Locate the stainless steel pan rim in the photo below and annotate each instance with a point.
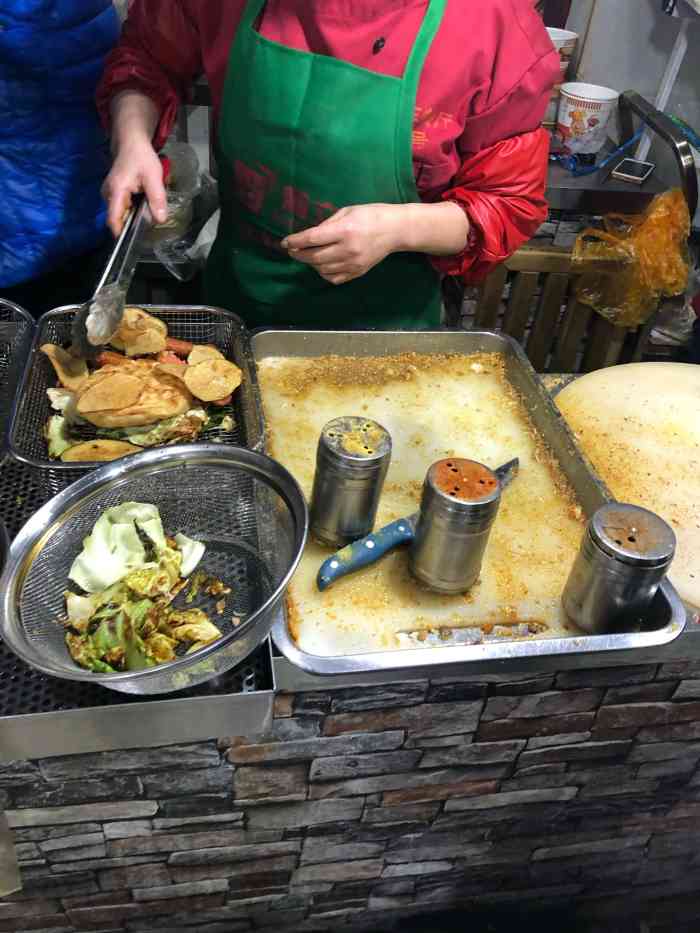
(409, 659)
(44, 523)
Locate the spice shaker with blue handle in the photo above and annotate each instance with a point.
(447, 538)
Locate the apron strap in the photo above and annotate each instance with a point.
(409, 90)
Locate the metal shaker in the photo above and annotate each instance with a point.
(625, 553)
(458, 507)
(351, 463)
(446, 539)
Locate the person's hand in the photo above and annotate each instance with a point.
(351, 242)
(135, 168)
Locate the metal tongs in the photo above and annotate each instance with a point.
(98, 320)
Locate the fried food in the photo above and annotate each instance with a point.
(161, 396)
(139, 333)
(110, 392)
(204, 352)
(145, 391)
(179, 347)
(72, 372)
(177, 370)
(98, 450)
(212, 379)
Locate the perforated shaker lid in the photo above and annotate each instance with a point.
(356, 442)
(466, 483)
(633, 535)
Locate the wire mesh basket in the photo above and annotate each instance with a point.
(197, 323)
(16, 332)
(246, 509)
(4, 545)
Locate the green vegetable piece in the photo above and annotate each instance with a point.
(57, 436)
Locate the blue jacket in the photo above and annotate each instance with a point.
(53, 152)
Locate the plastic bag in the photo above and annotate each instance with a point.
(201, 248)
(182, 188)
(674, 323)
(626, 268)
(185, 256)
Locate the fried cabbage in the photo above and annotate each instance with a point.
(130, 573)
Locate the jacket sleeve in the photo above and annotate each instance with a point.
(502, 179)
(501, 189)
(159, 54)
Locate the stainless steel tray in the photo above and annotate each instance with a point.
(199, 323)
(667, 618)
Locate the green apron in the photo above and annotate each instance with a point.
(300, 136)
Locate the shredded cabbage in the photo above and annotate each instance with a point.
(57, 436)
(192, 552)
(115, 548)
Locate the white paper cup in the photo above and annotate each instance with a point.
(564, 42)
(584, 114)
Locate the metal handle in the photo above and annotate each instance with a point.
(122, 255)
(507, 472)
(632, 102)
(366, 551)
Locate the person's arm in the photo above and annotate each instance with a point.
(136, 166)
(502, 191)
(502, 180)
(145, 78)
(355, 239)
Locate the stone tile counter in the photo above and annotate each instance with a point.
(362, 806)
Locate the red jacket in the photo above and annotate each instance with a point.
(481, 98)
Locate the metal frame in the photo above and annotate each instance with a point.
(145, 724)
(35, 359)
(15, 365)
(633, 103)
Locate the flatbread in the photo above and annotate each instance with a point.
(162, 396)
(140, 333)
(204, 352)
(639, 425)
(177, 370)
(111, 392)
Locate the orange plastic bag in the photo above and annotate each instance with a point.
(625, 268)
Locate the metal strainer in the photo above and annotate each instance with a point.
(247, 510)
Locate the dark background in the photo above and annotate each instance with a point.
(554, 12)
